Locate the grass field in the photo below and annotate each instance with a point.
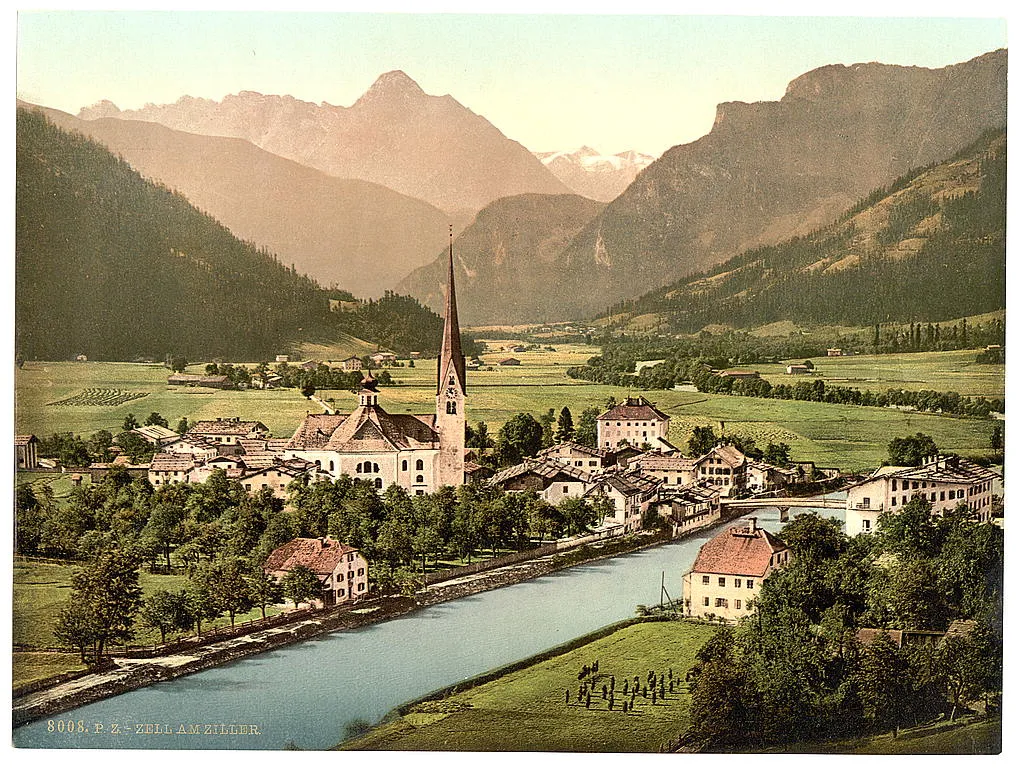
(853, 438)
(42, 588)
(982, 738)
(935, 370)
(30, 667)
(526, 710)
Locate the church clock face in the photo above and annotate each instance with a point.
(451, 393)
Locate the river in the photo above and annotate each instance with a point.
(306, 694)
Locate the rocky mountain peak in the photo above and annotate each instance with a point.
(392, 85)
(102, 109)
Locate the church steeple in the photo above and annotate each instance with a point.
(450, 417)
(451, 358)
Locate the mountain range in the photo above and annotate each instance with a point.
(589, 173)
(428, 147)
(765, 173)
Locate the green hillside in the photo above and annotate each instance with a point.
(930, 247)
(115, 267)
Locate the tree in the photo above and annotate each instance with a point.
(167, 612)
(910, 531)
(202, 598)
(230, 588)
(701, 440)
(997, 437)
(547, 437)
(971, 665)
(107, 591)
(777, 454)
(156, 419)
(565, 430)
(911, 450)
(576, 513)
(301, 584)
(719, 702)
(884, 684)
(182, 427)
(77, 627)
(520, 437)
(308, 389)
(178, 363)
(129, 422)
(586, 427)
(263, 590)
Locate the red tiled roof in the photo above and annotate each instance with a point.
(315, 431)
(320, 556)
(738, 552)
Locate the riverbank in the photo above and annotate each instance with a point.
(132, 673)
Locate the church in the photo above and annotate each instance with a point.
(418, 452)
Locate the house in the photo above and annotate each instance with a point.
(167, 468)
(725, 467)
(418, 452)
(578, 455)
(739, 374)
(352, 364)
(552, 479)
(26, 451)
(310, 366)
(834, 352)
(630, 492)
(915, 637)
(197, 448)
(727, 575)
(383, 358)
(282, 358)
(81, 357)
(342, 570)
(227, 430)
(156, 435)
(690, 507)
(797, 369)
(275, 476)
(944, 481)
(636, 422)
(763, 477)
(510, 362)
(674, 470)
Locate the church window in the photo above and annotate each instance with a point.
(419, 479)
(332, 466)
(452, 408)
(405, 465)
(419, 465)
(378, 483)
(451, 380)
(376, 468)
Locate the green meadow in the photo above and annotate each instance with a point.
(850, 437)
(526, 710)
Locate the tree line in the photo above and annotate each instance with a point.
(794, 670)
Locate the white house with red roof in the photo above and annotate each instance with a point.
(342, 569)
(727, 574)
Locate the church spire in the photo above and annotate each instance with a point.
(451, 358)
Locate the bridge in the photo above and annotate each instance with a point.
(782, 504)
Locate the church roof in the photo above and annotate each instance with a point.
(372, 429)
(314, 432)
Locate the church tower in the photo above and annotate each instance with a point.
(451, 390)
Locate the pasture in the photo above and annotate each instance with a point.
(527, 710)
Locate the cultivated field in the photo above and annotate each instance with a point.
(527, 710)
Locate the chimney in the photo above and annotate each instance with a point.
(753, 524)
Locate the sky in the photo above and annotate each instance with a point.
(551, 82)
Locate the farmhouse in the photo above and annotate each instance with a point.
(156, 435)
(418, 452)
(167, 468)
(383, 358)
(739, 374)
(578, 455)
(797, 369)
(834, 352)
(352, 364)
(227, 430)
(26, 451)
(727, 574)
(510, 362)
(342, 570)
(636, 422)
(944, 481)
(550, 478)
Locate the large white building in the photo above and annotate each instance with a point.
(945, 483)
(636, 422)
(418, 452)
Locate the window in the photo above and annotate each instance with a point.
(866, 526)
(362, 587)
(959, 493)
(894, 500)
(739, 605)
(738, 583)
(706, 579)
(451, 380)
(419, 465)
(894, 485)
(866, 502)
(405, 465)
(750, 583)
(341, 592)
(721, 581)
(378, 483)
(707, 601)
(419, 492)
(350, 556)
(906, 485)
(452, 408)
(721, 602)
(332, 466)
(419, 479)
(942, 495)
(340, 576)
(359, 572)
(565, 488)
(351, 574)
(359, 468)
